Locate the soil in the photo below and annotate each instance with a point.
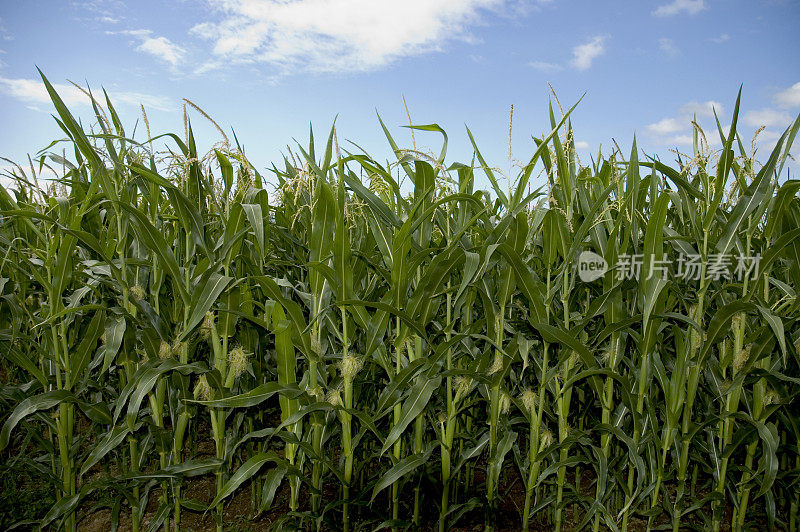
(239, 514)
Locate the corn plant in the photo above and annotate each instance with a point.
(395, 347)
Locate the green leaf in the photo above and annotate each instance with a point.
(108, 442)
(244, 473)
(256, 396)
(401, 469)
(153, 239)
(31, 405)
(203, 299)
(83, 353)
(418, 399)
(272, 480)
(256, 219)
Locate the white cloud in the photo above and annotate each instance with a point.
(347, 35)
(8, 171)
(666, 126)
(677, 130)
(769, 136)
(103, 11)
(6, 180)
(766, 141)
(701, 108)
(582, 145)
(584, 54)
(33, 91)
(767, 117)
(789, 97)
(160, 103)
(159, 47)
(207, 66)
(680, 140)
(668, 46)
(162, 48)
(721, 39)
(544, 66)
(692, 7)
(4, 34)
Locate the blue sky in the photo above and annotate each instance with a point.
(268, 68)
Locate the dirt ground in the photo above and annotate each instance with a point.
(239, 514)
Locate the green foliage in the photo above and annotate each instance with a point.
(392, 347)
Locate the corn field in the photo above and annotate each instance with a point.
(380, 345)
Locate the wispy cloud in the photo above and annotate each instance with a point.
(723, 37)
(33, 91)
(691, 7)
(677, 130)
(701, 109)
(103, 11)
(157, 46)
(667, 126)
(161, 103)
(5, 35)
(789, 97)
(767, 117)
(348, 35)
(10, 172)
(668, 46)
(208, 66)
(772, 120)
(584, 54)
(544, 66)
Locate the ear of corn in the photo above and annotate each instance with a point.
(398, 347)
